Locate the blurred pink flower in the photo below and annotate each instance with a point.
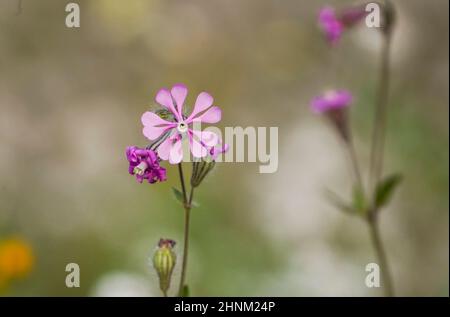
(331, 100)
(333, 104)
(333, 24)
(330, 24)
(199, 141)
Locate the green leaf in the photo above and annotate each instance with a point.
(178, 195)
(339, 203)
(185, 291)
(359, 201)
(385, 189)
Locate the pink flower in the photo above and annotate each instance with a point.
(333, 24)
(173, 132)
(330, 24)
(145, 165)
(218, 149)
(331, 100)
(333, 104)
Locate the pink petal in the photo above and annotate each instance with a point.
(153, 133)
(176, 153)
(216, 151)
(153, 120)
(164, 149)
(164, 98)
(179, 93)
(206, 137)
(197, 149)
(203, 102)
(212, 115)
(154, 126)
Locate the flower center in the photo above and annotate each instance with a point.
(182, 127)
(140, 169)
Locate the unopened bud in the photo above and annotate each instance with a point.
(164, 261)
(200, 170)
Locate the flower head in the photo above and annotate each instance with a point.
(174, 130)
(353, 15)
(16, 258)
(331, 100)
(144, 164)
(334, 103)
(330, 24)
(333, 24)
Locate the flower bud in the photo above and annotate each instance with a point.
(200, 170)
(164, 261)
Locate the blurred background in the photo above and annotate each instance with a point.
(71, 101)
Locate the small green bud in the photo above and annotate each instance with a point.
(164, 261)
(200, 170)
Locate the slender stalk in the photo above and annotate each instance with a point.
(183, 186)
(187, 212)
(382, 259)
(377, 155)
(19, 7)
(379, 128)
(355, 165)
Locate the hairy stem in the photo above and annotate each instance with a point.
(187, 212)
(381, 255)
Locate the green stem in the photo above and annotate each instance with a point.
(376, 158)
(381, 255)
(187, 212)
(183, 186)
(355, 165)
(379, 130)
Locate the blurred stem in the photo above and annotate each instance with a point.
(187, 212)
(19, 7)
(379, 128)
(381, 254)
(376, 159)
(355, 165)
